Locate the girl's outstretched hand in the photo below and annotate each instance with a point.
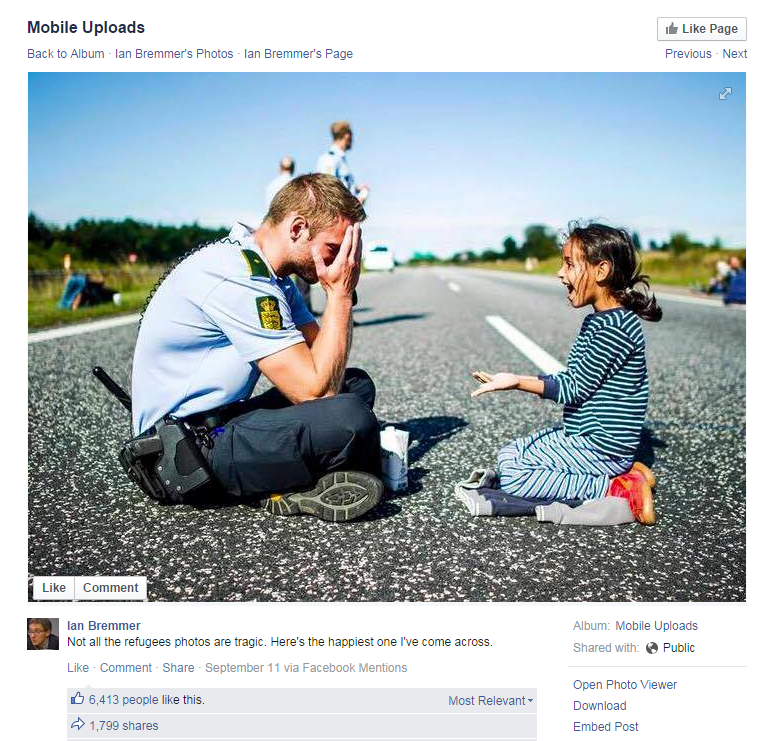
(496, 382)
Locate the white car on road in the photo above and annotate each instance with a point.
(378, 257)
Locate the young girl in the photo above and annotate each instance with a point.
(604, 391)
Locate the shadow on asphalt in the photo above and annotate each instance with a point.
(425, 433)
(389, 319)
(648, 443)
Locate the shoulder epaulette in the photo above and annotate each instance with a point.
(257, 267)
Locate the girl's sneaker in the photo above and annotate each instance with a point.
(634, 487)
(646, 472)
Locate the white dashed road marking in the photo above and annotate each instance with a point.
(454, 287)
(528, 348)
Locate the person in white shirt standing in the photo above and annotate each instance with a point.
(286, 173)
(334, 162)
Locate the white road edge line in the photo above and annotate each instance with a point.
(528, 348)
(454, 287)
(54, 334)
(707, 303)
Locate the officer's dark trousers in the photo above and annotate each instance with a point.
(275, 446)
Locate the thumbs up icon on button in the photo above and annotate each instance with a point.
(77, 699)
(672, 28)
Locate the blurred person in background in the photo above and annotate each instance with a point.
(736, 290)
(82, 290)
(334, 161)
(286, 173)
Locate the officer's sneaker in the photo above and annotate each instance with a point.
(337, 497)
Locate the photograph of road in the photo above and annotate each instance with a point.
(420, 332)
(451, 289)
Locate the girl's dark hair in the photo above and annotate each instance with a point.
(625, 281)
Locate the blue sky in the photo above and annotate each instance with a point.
(455, 161)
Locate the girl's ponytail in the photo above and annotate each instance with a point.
(641, 302)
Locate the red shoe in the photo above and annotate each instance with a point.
(646, 472)
(633, 487)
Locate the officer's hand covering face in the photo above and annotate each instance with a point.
(327, 242)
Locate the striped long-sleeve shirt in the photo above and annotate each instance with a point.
(605, 386)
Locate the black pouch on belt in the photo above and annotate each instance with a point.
(166, 462)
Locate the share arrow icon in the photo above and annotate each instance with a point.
(78, 724)
(727, 91)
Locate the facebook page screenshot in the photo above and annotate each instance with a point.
(386, 371)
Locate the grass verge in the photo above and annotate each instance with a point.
(44, 312)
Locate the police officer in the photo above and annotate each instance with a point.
(224, 316)
(286, 173)
(334, 161)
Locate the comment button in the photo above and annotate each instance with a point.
(111, 587)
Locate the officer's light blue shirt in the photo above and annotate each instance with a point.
(216, 314)
(334, 162)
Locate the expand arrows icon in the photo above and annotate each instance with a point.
(727, 91)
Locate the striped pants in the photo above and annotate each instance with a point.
(554, 465)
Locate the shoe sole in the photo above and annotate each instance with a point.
(645, 514)
(646, 472)
(337, 497)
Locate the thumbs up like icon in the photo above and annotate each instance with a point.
(672, 28)
(77, 699)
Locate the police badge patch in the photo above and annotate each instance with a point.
(268, 312)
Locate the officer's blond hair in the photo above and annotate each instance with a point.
(340, 128)
(319, 199)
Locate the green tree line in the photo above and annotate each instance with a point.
(110, 242)
(542, 243)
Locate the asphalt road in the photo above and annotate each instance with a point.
(418, 337)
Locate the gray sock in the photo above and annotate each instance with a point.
(605, 511)
(475, 504)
